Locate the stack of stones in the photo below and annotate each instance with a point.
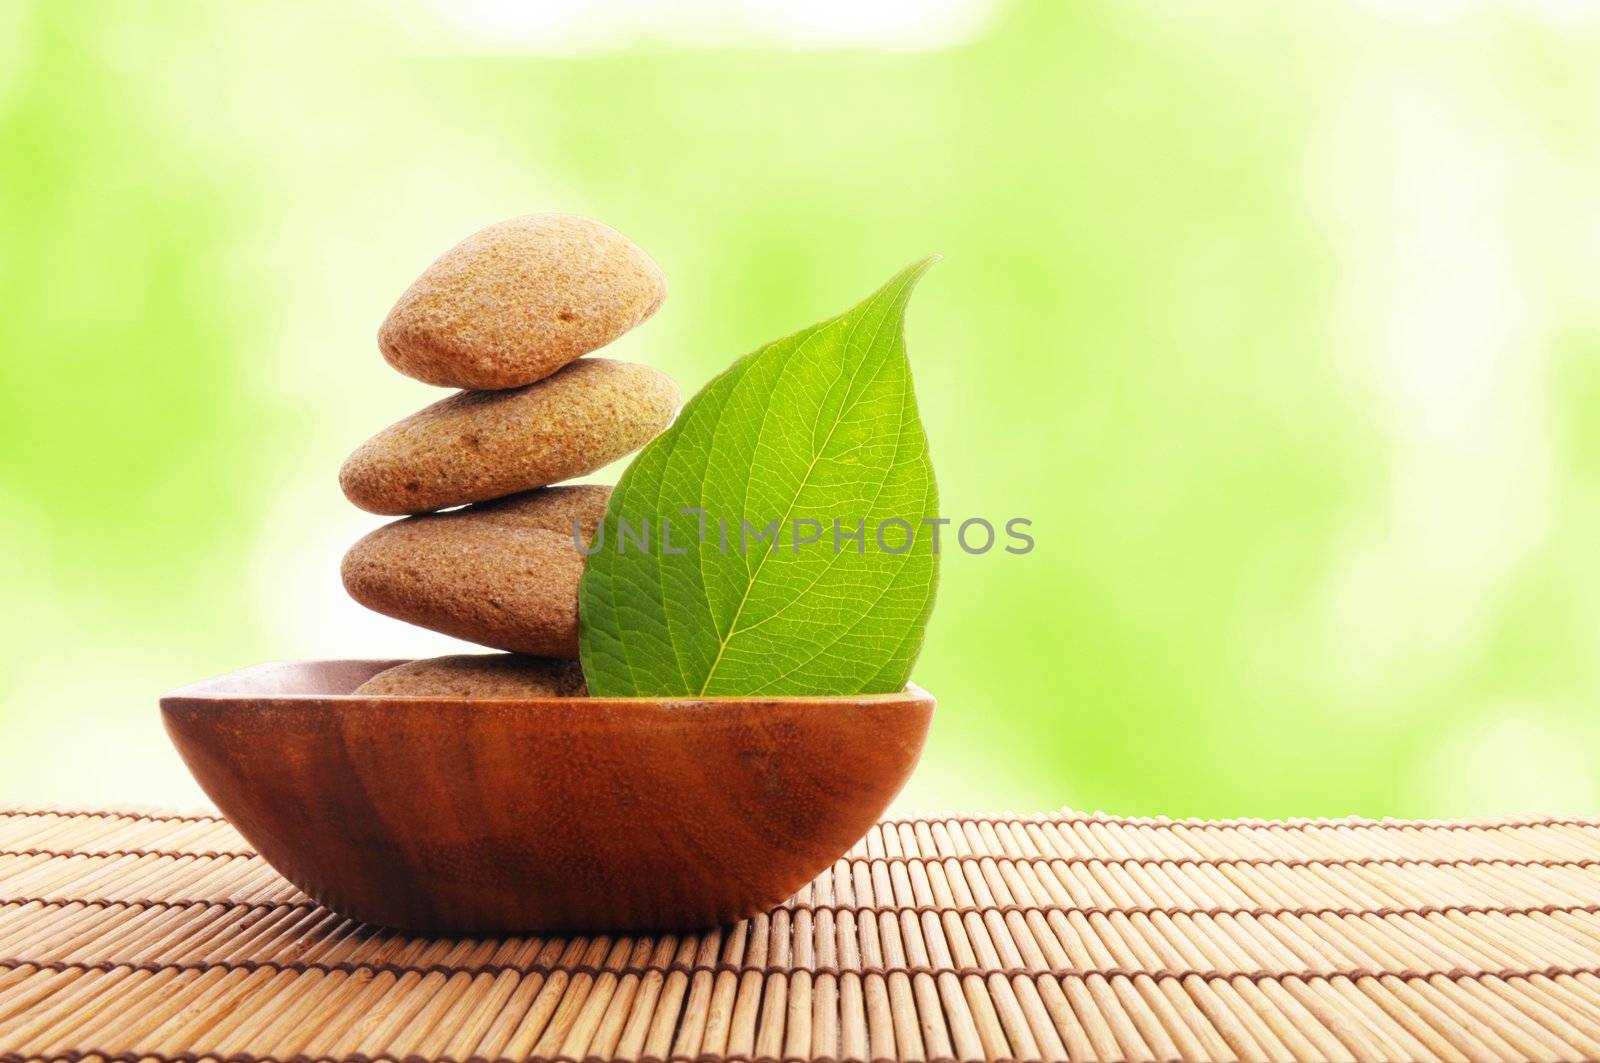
(508, 316)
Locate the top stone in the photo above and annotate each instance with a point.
(513, 303)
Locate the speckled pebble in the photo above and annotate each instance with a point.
(478, 445)
(513, 303)
(503, 575)
(480, 675)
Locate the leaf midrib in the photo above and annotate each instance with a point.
(724, 641)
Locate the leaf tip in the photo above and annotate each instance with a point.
(902, 283)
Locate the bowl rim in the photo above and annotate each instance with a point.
(213, 691)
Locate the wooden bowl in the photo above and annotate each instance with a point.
(486, 815)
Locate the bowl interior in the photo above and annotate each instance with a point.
(336, 680)
(291, 678)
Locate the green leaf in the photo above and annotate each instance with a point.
(821, 426)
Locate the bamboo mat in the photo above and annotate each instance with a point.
(140, 935)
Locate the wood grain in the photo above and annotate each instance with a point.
(457, 816)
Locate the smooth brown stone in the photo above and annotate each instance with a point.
(503, 574)
(480, 675)
(513, 303)
(478, 445)
(548, 508)
(462, 816)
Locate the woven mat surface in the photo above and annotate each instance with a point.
(1058, 937)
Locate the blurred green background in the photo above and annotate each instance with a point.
(1281, 322)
